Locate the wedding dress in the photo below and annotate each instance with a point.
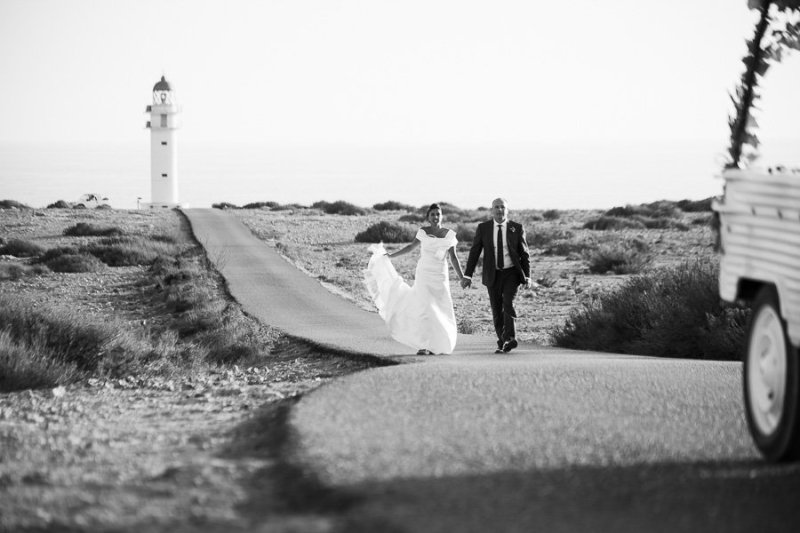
(420, 316)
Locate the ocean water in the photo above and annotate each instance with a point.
(537, 176)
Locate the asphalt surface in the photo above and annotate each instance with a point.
(540, 439)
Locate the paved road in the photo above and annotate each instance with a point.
(540, 439)
(271, 289)
(543, 409)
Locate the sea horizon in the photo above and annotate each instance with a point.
(544, 175)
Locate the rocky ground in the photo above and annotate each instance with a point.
(201, 451)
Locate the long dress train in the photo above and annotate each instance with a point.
(420, 316)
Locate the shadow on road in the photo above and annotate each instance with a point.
(725, 497)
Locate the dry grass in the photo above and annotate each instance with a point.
(119, 449)
(151, 308)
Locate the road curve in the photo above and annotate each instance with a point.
(539, 439)
(535, 409)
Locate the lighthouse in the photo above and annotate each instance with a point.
(163, 127)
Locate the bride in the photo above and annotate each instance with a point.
(420, 316)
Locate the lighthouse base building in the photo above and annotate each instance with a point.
(163, 125)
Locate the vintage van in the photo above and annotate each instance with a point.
(759, 217)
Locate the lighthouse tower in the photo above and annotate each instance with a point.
(163, 126)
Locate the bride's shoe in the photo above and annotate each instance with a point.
(424, 352)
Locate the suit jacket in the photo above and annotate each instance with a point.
(484, 242)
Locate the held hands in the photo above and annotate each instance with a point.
(530, 284)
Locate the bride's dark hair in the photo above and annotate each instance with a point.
(432, 207)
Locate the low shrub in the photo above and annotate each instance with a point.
(75, 263)
(165, 238)
(571, 248)
(131, 250)
(21, 248)
(543, 237)
(620, 258)
(385, 231)
(12, 271)
(339, 207)
(551, 214)
(640, 245)
(224, 205)
(606, 222)
(696, 206)
(675, 312)
(413, 218)
(703, 220)
(261, 205)
(12, 204)
(238, 340)
(60, 204)
(55, 253)
(195, 313)
(70, 338)
(289, 207)
(660, 223)
(465, 233)
(31, 366)
(84, 229)
(15, 271)
(181, 290)
(117, 255)
(392, 206)
(662, 208)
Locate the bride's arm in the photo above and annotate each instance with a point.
(404, 250)
(455, 262)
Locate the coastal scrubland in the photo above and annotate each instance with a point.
(645, 276)
(135, 394)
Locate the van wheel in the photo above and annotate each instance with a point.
(771, 381)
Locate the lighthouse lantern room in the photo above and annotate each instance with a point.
(163, 127)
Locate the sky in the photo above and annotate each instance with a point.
(381, 71)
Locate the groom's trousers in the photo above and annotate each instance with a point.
(501, 297)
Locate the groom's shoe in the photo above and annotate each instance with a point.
(509, 345)
(499, 347)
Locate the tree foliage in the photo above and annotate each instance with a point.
(776, 33)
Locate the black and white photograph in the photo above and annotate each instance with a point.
(384, 266)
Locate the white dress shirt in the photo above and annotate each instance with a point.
(506, 256)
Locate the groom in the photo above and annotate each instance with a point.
(505, 268)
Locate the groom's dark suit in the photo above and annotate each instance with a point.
(501, 283)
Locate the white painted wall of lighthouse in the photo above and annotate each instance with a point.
(164, 156)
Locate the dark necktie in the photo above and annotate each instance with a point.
(500, 247)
